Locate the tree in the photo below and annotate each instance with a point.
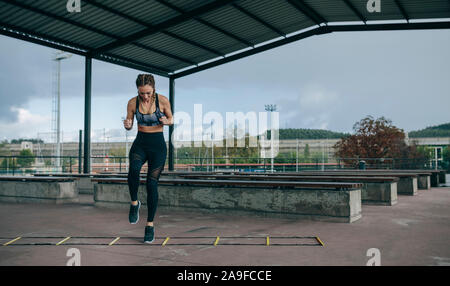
(306, 151)
(26, 158)
(446, 158)
(376, 138)
(117, 152)
(32, 140)
(8, 163)
(446, 154)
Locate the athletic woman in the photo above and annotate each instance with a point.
(152, 111)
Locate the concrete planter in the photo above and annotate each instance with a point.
(379, 193)
(407, 186)
(53, 192)
(322, 204)
(424, 182)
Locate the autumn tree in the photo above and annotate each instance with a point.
(26, 158)
(376, 138)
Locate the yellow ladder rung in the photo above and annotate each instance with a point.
(320, 241)
(114, 241)
(165, 241)
(12, 241)
(64, 240)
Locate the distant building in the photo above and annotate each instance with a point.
(436, 143)
(26, 145)
(289, 145)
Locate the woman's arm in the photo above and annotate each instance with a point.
(168, 119)
(128, 122)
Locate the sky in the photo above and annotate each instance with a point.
(323, 82)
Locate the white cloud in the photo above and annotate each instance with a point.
(312, 107)
(314, 96)
(24, 116)
(28, 124)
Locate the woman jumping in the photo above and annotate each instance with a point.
(152, 111)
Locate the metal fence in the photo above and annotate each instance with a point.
(19, 165)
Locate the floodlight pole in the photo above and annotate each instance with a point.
(59, 56)
(87, 116)
(172, 105)
(271, 108)
(296, 161)
(212, 148)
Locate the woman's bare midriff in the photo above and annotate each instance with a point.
(150, 129)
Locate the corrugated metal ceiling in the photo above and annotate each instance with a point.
(166, 36)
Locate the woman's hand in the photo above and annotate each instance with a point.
(127, 123)
(164, 120)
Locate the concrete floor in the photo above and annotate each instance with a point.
(416, 231)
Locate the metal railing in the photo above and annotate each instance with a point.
(19, 165)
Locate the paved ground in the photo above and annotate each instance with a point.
(416, 231)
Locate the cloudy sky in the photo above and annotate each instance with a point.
(327, 82)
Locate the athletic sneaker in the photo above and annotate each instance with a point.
(149, 236)
(133, 216)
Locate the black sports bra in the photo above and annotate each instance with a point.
(149, 119)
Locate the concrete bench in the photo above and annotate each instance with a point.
(435, 176)
(407, 184)
(442, 177)
(83, 182)
(422, 178)
(26, 189)
(375, 190)
(329, 201)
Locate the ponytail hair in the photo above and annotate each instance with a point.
(144, 79)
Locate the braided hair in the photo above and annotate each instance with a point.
(144, 79)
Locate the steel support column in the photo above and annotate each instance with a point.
(80, 140)
(172, 105)
(87, 116)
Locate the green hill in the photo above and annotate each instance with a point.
(442, 130)
(291, 133)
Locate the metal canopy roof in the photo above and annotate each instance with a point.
(174, 38)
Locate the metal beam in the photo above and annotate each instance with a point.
(59, 18)
(231, 35)
(171, 127)
(118, 13)
(318, 31)
(164, 25)
(259, 20)
(169, 55)
(353, 8)
(402, 10)
(133, 64)
(38, 38)
(308, 11)
(98, 31)
(193, 43)
(80, 151)
(87, 116)
(214, 27)
(138, 21)
(391, 27)
(67, 46)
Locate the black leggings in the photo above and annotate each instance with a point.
(149, 147)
